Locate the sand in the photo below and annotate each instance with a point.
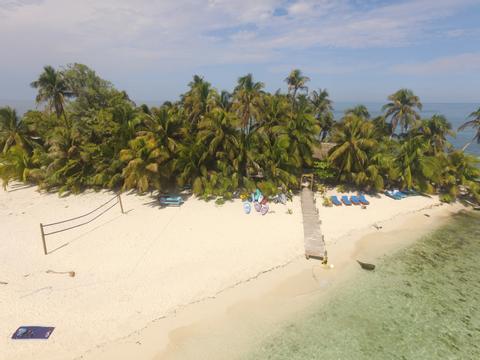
(143, 275)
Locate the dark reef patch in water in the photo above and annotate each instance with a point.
(421, 303)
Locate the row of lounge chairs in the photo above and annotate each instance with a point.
(399, 195)
(355, 200)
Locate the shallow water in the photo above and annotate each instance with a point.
(421, 303)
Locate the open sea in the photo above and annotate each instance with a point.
(420, 303)
(456, 113)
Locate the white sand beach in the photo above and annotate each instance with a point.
(136, 272)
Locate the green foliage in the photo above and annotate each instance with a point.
(327, 202)
(324, 171)
(91, 135)
(401, 109)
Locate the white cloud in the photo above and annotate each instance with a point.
(120, 35)
(462, 63)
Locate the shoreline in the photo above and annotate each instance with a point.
(144, 276)
(276, 295)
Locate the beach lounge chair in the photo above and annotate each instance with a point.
(170, 200)
(355, 200)
(399, 193)
(392, 195)
(363, 200)
(410, 192)
(335, 200)
(346, 201)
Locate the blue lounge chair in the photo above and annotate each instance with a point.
(363, 200)
(392, 195)
(335, 201)
(399, 193)
(355, 200)
(346, 201)
(410, 192)
(170, 200)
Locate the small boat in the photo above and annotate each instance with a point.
(366, 266)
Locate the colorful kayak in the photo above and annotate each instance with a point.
(264, 209)
(257, 206)
(247, 207)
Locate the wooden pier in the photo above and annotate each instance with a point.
(312, 234)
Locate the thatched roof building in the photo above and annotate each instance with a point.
(321, 152)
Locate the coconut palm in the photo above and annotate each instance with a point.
(323, 111)
(401, 109)
(12, 129)
(52, 89)
(218, 131)
(460, 171)
(417, 169)
(247, 101)
(296, 81)
(435, 130)
(144, 159)
(473, 123)
(360, 111)
(17, 165)
(355, 142)
(198, 100)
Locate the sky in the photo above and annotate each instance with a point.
(361, 51)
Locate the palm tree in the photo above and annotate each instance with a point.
(459, 170)
(475, 124)
(435, 130)
(12, 129)
(247, 101)
(355, 141)
(401, 109)
(198, 100)
(417, 168)
(52, 89)
(323, 111)
(360, 111)
(144, 159)
(16, 164)
(296, 81)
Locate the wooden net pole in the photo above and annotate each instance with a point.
(120, 202)
(43, 239)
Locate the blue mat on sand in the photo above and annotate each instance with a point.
(32, 332)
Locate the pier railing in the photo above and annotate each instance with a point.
(104, 208)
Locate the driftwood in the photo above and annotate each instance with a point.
(366, 266)
(70, 273)
(3, 283)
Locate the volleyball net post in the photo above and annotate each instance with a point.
(118, 199)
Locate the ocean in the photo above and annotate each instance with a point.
(456, 113)
(420, 303)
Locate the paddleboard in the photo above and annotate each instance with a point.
(264, 209)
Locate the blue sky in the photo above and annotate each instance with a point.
(361, 51)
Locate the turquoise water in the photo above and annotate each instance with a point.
(421, 303)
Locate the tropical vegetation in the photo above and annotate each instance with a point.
(87, 134)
